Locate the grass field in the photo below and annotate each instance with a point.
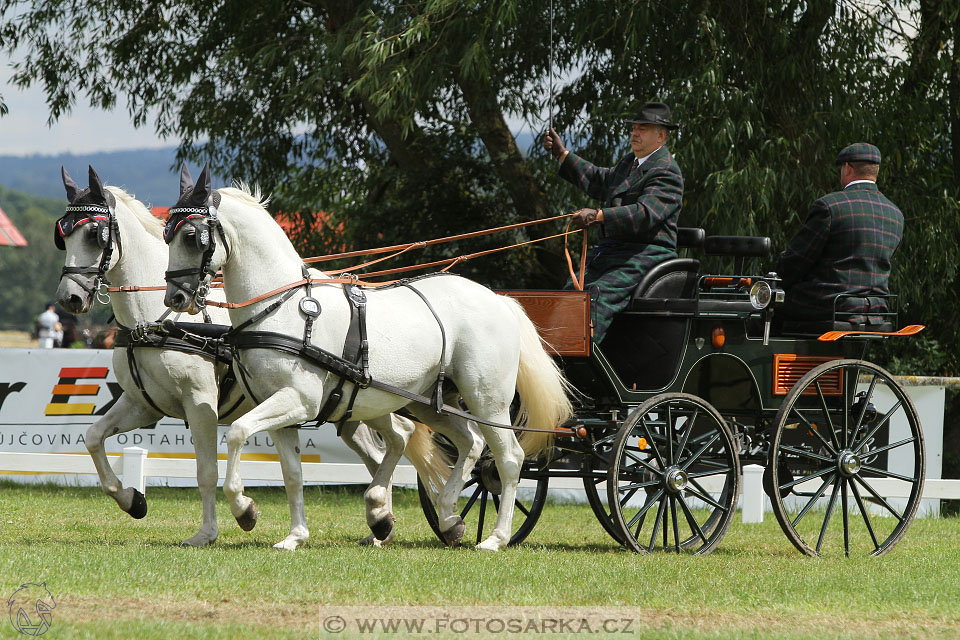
(114, 577)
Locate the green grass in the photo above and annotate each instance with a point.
(115, 577)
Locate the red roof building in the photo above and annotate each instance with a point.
(9, 235)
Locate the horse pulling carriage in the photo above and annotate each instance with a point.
(688, 385)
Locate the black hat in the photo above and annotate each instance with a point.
(654, 113)
(859, 152)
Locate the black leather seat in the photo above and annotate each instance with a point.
(676, 278)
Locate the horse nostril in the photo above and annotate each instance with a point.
(75, 302)
(178, 299)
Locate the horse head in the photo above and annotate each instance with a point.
(88, 232)
(191, 232)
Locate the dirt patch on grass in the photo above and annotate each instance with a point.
(483, 621)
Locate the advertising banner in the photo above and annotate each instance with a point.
(50, 397)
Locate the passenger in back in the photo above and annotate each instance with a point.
(845, 247)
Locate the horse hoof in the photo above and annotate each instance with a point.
(454, 534)
(383, 529)
(138, 508)
(248, 519)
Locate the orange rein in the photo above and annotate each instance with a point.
(399, 249)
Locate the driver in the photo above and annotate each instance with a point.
(640, 198)
(844, 247)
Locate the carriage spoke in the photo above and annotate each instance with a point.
(846, 407)
(866, 401)
(686, 434)
(879, 498)
(627, 497)
(522, 508)
(645, 464)
(651, 500)
(826, 519)
(846, 517)
(676, 524)
(668, 431)
(656, 525)
(882, 421)
(653, 445)
(699, 453)
(888, 474)
(638, 485)
(691, 521)
(712, 472)
(815, 431)
(483, 512)
(806, 454)
(813, 500)
(872, 452)
(470, 502)
(704, 497)
(865, 515)
(818, 474)
(470, 483)
(826, 413)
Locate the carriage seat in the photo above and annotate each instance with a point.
(204, 329)
(737, 246)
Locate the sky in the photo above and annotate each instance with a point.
(24, 130)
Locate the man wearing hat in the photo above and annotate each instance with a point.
(637, 220)
(844, 247)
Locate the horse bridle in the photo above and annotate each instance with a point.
(207, 225)
(108, 233)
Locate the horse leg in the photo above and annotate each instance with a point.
(202, 419)
(362, 440)
(287, 442)
(125, 415)
(469, 446)
(508, 456)
(284, 408)
(396, 431)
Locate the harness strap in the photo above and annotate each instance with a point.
(438, 389)
(135, 374)
(353, 352)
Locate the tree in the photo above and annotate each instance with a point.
(393, 117)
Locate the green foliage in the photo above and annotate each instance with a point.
(393, 116)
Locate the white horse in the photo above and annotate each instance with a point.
(180, 384)
(485, 343)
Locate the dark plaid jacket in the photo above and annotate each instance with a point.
(845, 246)
(640, 206)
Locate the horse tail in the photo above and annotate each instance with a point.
(430, 461)
(544, 391)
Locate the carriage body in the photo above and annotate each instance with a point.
(689, 385)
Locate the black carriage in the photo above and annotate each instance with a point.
(690, 384)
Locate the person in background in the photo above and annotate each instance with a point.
(48, 328)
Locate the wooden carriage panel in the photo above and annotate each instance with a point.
(561, 317)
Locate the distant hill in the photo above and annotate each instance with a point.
(147, 173)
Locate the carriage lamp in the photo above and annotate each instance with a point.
(761, 293)
(718, 337)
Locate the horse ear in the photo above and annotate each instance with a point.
(96, 186)
(185, 180)
(68, 183)
(201, 191)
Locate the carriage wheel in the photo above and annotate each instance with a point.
(846, 433)
(595, 469)
(675, 476)
(479, 511)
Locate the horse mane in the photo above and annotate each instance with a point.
(152, 224)
(246, 192)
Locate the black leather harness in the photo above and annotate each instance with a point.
(197, 338)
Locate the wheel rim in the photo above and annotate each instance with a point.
(481, 504)
(846, 436)
(674, 480)
(596, 466)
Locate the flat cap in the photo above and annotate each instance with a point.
(859, 152)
